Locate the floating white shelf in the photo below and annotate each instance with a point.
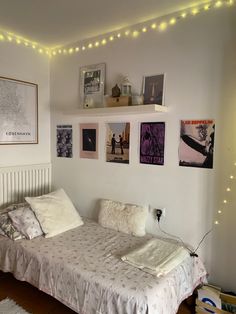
(140, 109)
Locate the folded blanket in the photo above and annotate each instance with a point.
(156, 257)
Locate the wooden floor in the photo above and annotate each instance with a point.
(37, 302)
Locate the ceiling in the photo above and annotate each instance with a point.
(59, 22)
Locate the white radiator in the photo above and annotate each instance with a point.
(20, 181)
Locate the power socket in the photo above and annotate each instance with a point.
(159, 213)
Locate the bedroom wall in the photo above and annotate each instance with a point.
(197, 56)
(22, 63)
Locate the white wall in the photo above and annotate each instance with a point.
(197, 56)
(22, 63)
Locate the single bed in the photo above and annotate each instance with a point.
(82, 268)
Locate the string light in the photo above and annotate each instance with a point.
(228, 189)
(140, 29)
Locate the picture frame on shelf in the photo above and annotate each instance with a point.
(18, 112)
(89, 140)
(153, 89)
(91, 85)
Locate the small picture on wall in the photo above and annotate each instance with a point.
(152, 143)
(89, 140)
(153, 88)
(196, 147)
(64, 141)
(117, 142)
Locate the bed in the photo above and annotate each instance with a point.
(82, 268)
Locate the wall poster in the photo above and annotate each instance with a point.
(152, 143)
(64, 141)
(18, 112)
(89, 140)
(117, 142)
(196, 147)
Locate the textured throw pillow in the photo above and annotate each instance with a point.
(24, 220)
(2, 232)
(127, 218)
(8, 228)
(55, 212)
(12, 207)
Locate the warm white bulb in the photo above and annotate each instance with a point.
(54, 53)
(231, 177)
(228, 189)
(71, 50)
(219, 212)
(154, 25)
(119, 35)
(206, 7)
(90, 45)
(104, 42)
(144, 29)
(162, 26)
(183, 15)
(172, 21)
(218, 4)
(111, 38)
(40, 50)
(216, 222)
(127, 33)
(9, 38)
(83, 48)
(59, 51)
(77, 49)
(97, 43)
(225, 201)
(64, 51)
(135, 34)
(195, 11)
(1, 37)
(18, 41)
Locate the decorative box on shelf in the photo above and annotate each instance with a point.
(118, 101)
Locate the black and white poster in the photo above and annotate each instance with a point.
(64, 141)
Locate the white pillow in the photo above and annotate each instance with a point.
(127, 218)
(55, 212)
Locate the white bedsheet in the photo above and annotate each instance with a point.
(82, 268)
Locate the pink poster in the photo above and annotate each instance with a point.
(196, 147)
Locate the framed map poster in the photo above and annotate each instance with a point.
(18, 112)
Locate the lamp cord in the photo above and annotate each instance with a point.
(192, 252)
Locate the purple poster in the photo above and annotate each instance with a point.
(152, 143)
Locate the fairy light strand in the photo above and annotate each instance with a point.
(159, 24)
(225, 202)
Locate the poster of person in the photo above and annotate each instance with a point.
(153, 89)
(64, 141)
(152, 143)
(117, 142)
(196, 147)
(89, 140)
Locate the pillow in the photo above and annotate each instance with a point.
(2, 232)
(8, 228)
(24, 220)
(55, 212)
(127, 218)
(12, 207)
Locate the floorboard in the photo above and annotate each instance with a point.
(37, 302)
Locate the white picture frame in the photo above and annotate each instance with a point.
(92, 84)
(18, 112)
